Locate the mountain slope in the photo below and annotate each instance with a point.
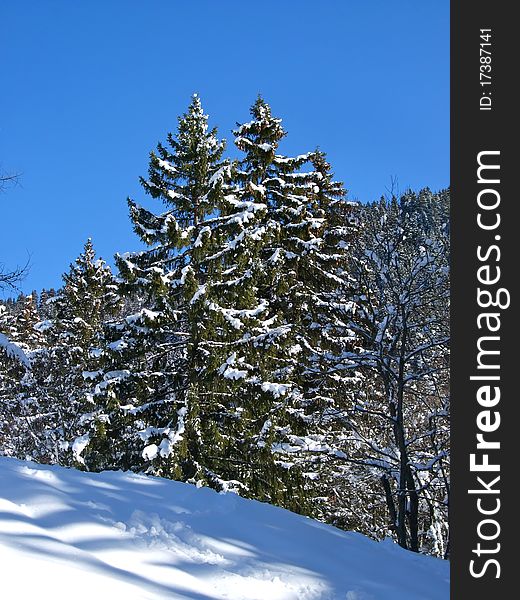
(67, 534)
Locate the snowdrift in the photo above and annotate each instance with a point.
(66, 534)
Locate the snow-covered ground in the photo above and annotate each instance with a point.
(65, 534)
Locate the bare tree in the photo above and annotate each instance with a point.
(399, 421)
(9, 278)
(6, 179)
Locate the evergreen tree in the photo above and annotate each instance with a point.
(56, 393)
(14, 364)
(275, 271)
(46, 304)
(147, 401)
(19, 343)
(27, 316)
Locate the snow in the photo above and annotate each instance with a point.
(13, 350)
(232, 373)
(200, 292)
(44, 325)
(220, 175)
(174, 436)
(91, 374)
(142, 314)
(257, 188)
(69, 534)
(118, 345)
(229, 371)
(164, 164)
(150, 452)
(79, 445)
(277, 389)
(200, 238)
(115, 376)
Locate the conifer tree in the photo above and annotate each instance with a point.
(27, 317)
(57, 391)
(14, 364)
(45, 305)
(147, 401)
(274, 267)
(20, 342)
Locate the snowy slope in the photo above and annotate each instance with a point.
(67, 534)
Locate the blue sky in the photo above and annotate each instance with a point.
(89, 88)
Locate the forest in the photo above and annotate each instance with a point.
(272, 338)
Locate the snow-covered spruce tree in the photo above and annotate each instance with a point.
(20, 342)
(9, 376)
(236, 397)
(26, 317)
(328, 291)
(55, 396)
(14, 365)
(153, 361)
(45, 306)
(276, 270)
(399, 423)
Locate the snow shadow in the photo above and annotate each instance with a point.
(178, 541)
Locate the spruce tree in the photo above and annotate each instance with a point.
(14, 367)
(154, 356)
(69, 355)
(275, 270)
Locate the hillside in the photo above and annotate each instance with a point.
(66, 534)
